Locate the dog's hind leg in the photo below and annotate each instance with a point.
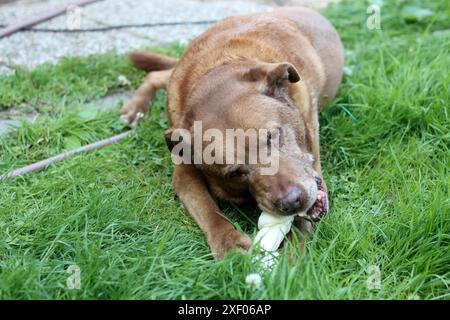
(137, 107)
(160, 69)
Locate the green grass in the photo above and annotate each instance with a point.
(73, 81)
(385, 146)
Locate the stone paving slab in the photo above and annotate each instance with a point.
(11, 118)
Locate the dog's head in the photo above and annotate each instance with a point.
(229, 106)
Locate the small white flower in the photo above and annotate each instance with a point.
(348, 70)
(253, 280)
(123, 81)
(183, 42)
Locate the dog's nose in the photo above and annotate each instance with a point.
(293, 201)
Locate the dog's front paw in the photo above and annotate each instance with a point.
(132, 113)
(226, 240)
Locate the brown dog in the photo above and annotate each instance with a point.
(271, 70)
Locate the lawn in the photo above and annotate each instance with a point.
(385, 152)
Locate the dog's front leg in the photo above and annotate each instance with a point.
(191, 188)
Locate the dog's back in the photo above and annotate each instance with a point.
(298, 35)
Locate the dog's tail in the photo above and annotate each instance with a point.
(150, 61)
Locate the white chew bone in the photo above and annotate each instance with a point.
(272, 229)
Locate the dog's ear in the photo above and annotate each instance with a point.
(179, 143)
(276, 74)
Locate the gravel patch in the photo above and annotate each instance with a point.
(30, 49)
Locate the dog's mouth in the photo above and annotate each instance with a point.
(320, 207)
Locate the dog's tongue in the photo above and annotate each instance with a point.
(320, 207)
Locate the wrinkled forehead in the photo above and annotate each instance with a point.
(222, 99)
(247, 112)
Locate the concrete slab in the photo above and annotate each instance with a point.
(110, 102)
(11, 119)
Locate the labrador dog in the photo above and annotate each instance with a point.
(273, 71)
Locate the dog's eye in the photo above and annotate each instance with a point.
(236, 172)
